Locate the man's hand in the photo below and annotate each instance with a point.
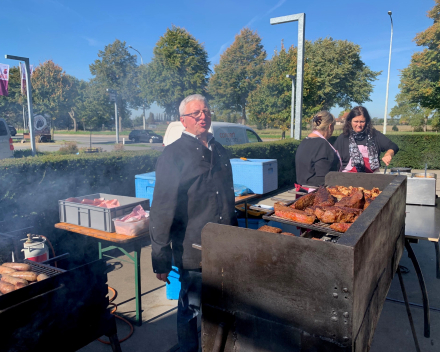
(163, 277)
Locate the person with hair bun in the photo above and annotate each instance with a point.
(315, 156)
(360, 145)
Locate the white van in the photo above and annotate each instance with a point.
(224, 132)
(6, 146)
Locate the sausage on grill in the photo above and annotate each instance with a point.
(42, 277)
(18, 266)
(27, 275)
(6, 270)
(17, 282)
(6, 287)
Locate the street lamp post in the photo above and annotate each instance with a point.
(143, 104)
(301, 18)
(388, 79)
(113, 96)
(292, 109)
(29, 98)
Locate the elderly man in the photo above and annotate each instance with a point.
(193, 187)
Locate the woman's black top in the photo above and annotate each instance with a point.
(382, 145)
(314, 159)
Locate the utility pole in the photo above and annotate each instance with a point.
(388, 79)
(113, 97)
(292, 109)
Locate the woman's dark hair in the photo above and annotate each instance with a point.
(358, 111)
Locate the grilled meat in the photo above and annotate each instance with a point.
(272, 229)
(304, 201)
(356, 200)
(373, 193)
(333, 214)
(287, 233)
(324, 198)
(340, 227)
(293, 214)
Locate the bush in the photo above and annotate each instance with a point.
(68, 148)
(395, 128)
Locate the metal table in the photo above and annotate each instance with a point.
(244, 199)
(119, 241)
(423, 223)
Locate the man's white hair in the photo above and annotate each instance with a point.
(189, 98)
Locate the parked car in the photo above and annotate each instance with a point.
(147, 136)
(6, 146)
(12, 130)
(224, 132)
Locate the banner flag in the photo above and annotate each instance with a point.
(4, 79)
(23, 76)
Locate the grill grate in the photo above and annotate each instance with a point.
(320, 226)
(44, 268)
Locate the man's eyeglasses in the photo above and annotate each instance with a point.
(198, 113)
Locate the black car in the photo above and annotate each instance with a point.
(12, 130)
(146, 136)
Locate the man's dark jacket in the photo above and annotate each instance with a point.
(193, 187)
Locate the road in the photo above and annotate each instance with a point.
(105, 142)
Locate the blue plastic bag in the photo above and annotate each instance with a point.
(240, 190)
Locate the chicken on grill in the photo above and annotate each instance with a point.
(272, 229)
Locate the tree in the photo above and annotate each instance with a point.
(50, 88)
(341, 76)
(414, 113)
(93, 107)
(269, 104)
(179, 68)
(238, 73)
(116, 69)
(150, 118)
(420, 81)
(333, 75)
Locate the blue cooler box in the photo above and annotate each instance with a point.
(144, 185)
(173, 288)
(259, 175)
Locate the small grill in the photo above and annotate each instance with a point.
(64, 312)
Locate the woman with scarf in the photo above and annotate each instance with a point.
(315, 156)
(360, 144)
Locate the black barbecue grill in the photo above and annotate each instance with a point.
(270, 292)
(64, 312)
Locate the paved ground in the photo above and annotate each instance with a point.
(158, 332)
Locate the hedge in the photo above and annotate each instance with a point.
(31, 187)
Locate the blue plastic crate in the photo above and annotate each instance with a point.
(144, 185)
(252, 223)
(173, 288)
(259, 175)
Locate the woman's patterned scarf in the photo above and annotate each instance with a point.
(356, 157)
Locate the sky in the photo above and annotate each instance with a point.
(71, 33)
